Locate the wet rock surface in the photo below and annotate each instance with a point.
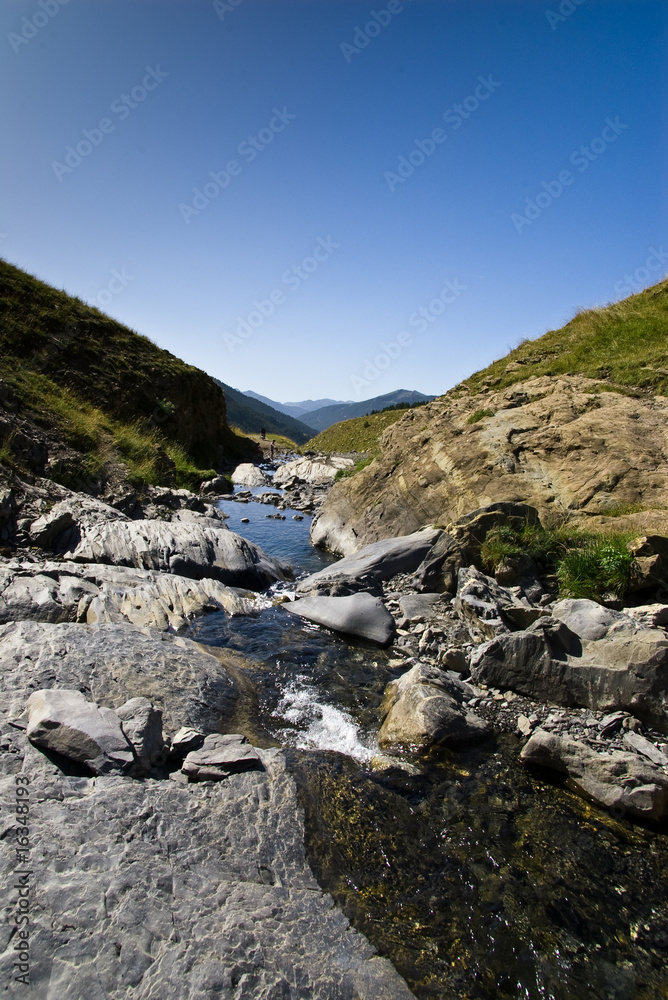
(360, 615)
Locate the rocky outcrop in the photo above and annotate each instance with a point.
(425, 707)
(189, 549)
(619, 781)
(557, 443)
(68, 519)
(248, 474)
(318, 470)
(490, 608)
(371, 565)
(625, 668)
(360, 615)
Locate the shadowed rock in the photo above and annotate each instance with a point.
(219, 757)
(359, 615)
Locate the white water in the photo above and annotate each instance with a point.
(321, 726)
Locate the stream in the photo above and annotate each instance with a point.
(475, 878)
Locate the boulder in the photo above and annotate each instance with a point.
(617, 780)
(650, 562)
(623, 670)
(649, 615)
(112, 663)
(361, 615)
(216, 487)
(419, 607)
(248, 474)
(366, 569)
(195, 550)
(425, 707)
(63, 722)
(318, 470)
(490, 608)
(62, 526)
(219, 757)
(590, 620)
(142, 725)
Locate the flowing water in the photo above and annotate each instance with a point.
(475, 878)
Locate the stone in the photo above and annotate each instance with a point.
(318, 470)
(524, 725)
(425, 707)
(65, 723)
(61, 527)
(418, 607)
(650, 562)
(360, 615)
(184, 741)
(141, 723)
(490, 608)
(217, 487)
(644, 746)
(649, 615)
(366, 569)
(193, 550)
(219, 757)
(590, 620)
(248, 474)
(624, 670)
(618, 781)
(455, 659)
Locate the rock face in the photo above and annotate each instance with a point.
(221, 756)
(554, 442)
(626, 668)
(619, 781)
(114, 663)
(425, 707)
(318, 470)
(65, 723)
(248, 474)
(371, 565)
(194, 550)
(93, 592)
(68, 518)
(359, 615)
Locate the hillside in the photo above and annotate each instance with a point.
(575, 422)
(323, 418)
(83, 397)
(250, 415)
(358, 434)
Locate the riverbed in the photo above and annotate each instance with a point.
(475, 878)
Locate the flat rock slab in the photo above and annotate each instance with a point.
(359, 615)
(219, 757)
(617, 780)
(366, 569)
(418, 607)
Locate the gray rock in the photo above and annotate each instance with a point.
(142, 725)
(216, 487)
(195, 550)
(366, 569)
(650, 563)
(65, 723)
(113, 663)
(321, 469)
(649, 615)
(425, 707)
(490, 608)
(644, 746)
(419, 607)
(590, 620)
(62, 525)
(248, 474)
(626, 670)
(618, 780)
(219, 757)
(359, 615)
(184, 741)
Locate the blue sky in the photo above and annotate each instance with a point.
(400, 191)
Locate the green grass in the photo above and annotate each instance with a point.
(623, 345)
(479, 415)
(586, 564)
(358, 434)
(351, 470)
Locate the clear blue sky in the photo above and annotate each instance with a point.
(351, 104)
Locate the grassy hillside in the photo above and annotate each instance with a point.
(624, 345)
(250, 415)
(96, 393)
(358, 434)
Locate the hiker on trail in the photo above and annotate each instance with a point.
(271, 451)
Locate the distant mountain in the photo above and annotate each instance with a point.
(298, 410)
(326, 416)
(251, 412)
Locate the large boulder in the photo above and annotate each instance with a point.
(195, 550)
(64, 722)
(590, 620)
(114, 663)
(619, 781)
(627, 668)
(248, 474)
(366, 569)
(490, 608)
(61, 527)
(316, 471)
(359, 615)
(425, 707)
